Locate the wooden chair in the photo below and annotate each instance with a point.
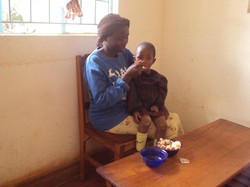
(120, 145)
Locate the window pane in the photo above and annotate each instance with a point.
(40, 11)
(88, 9)
(102, 9)
(4, 15)
(20, 10)
(5, 10)
(57, 11)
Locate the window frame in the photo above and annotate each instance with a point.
(67, 26)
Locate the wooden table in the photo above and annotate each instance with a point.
(217, 152)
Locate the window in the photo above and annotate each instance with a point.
(48, 16)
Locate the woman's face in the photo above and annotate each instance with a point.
(118, 41)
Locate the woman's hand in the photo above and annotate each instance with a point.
(133, 71)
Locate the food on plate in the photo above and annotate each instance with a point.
(169, 144)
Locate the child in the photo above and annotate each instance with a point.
(146, 97)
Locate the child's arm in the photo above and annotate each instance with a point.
(163, 90)
(154, 108)
(137, 117)
(134, 103)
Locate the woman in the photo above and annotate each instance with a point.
(108, 71)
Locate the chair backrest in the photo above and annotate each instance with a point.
(83, 93)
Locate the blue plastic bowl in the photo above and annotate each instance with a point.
(153, 156)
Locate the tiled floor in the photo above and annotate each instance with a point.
(93, 180)
(241, 180)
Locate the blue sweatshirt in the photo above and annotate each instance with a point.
(108, 105)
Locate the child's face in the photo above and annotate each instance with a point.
(145, 55)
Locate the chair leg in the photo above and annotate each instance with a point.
(82, 161)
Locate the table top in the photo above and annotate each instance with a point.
(217, 152)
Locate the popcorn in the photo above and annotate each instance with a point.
(168, 144)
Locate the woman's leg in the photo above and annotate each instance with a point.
(174, 126)
(128, 126)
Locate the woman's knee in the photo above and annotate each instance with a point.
(174, 125)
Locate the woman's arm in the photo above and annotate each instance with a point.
(103, 93)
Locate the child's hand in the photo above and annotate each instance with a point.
(154, 108)
(137, 117)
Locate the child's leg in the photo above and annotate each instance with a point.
(144, 124)
(161, 127)
(142, 133)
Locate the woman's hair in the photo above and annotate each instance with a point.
(108, 25)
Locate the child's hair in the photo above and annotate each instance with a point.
(108, 25)
(148, 45)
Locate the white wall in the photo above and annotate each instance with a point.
(146, 23)
(207, 60)
(38, 110)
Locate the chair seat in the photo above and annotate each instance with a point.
(110, 138)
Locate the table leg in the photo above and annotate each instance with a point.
(108, 184)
